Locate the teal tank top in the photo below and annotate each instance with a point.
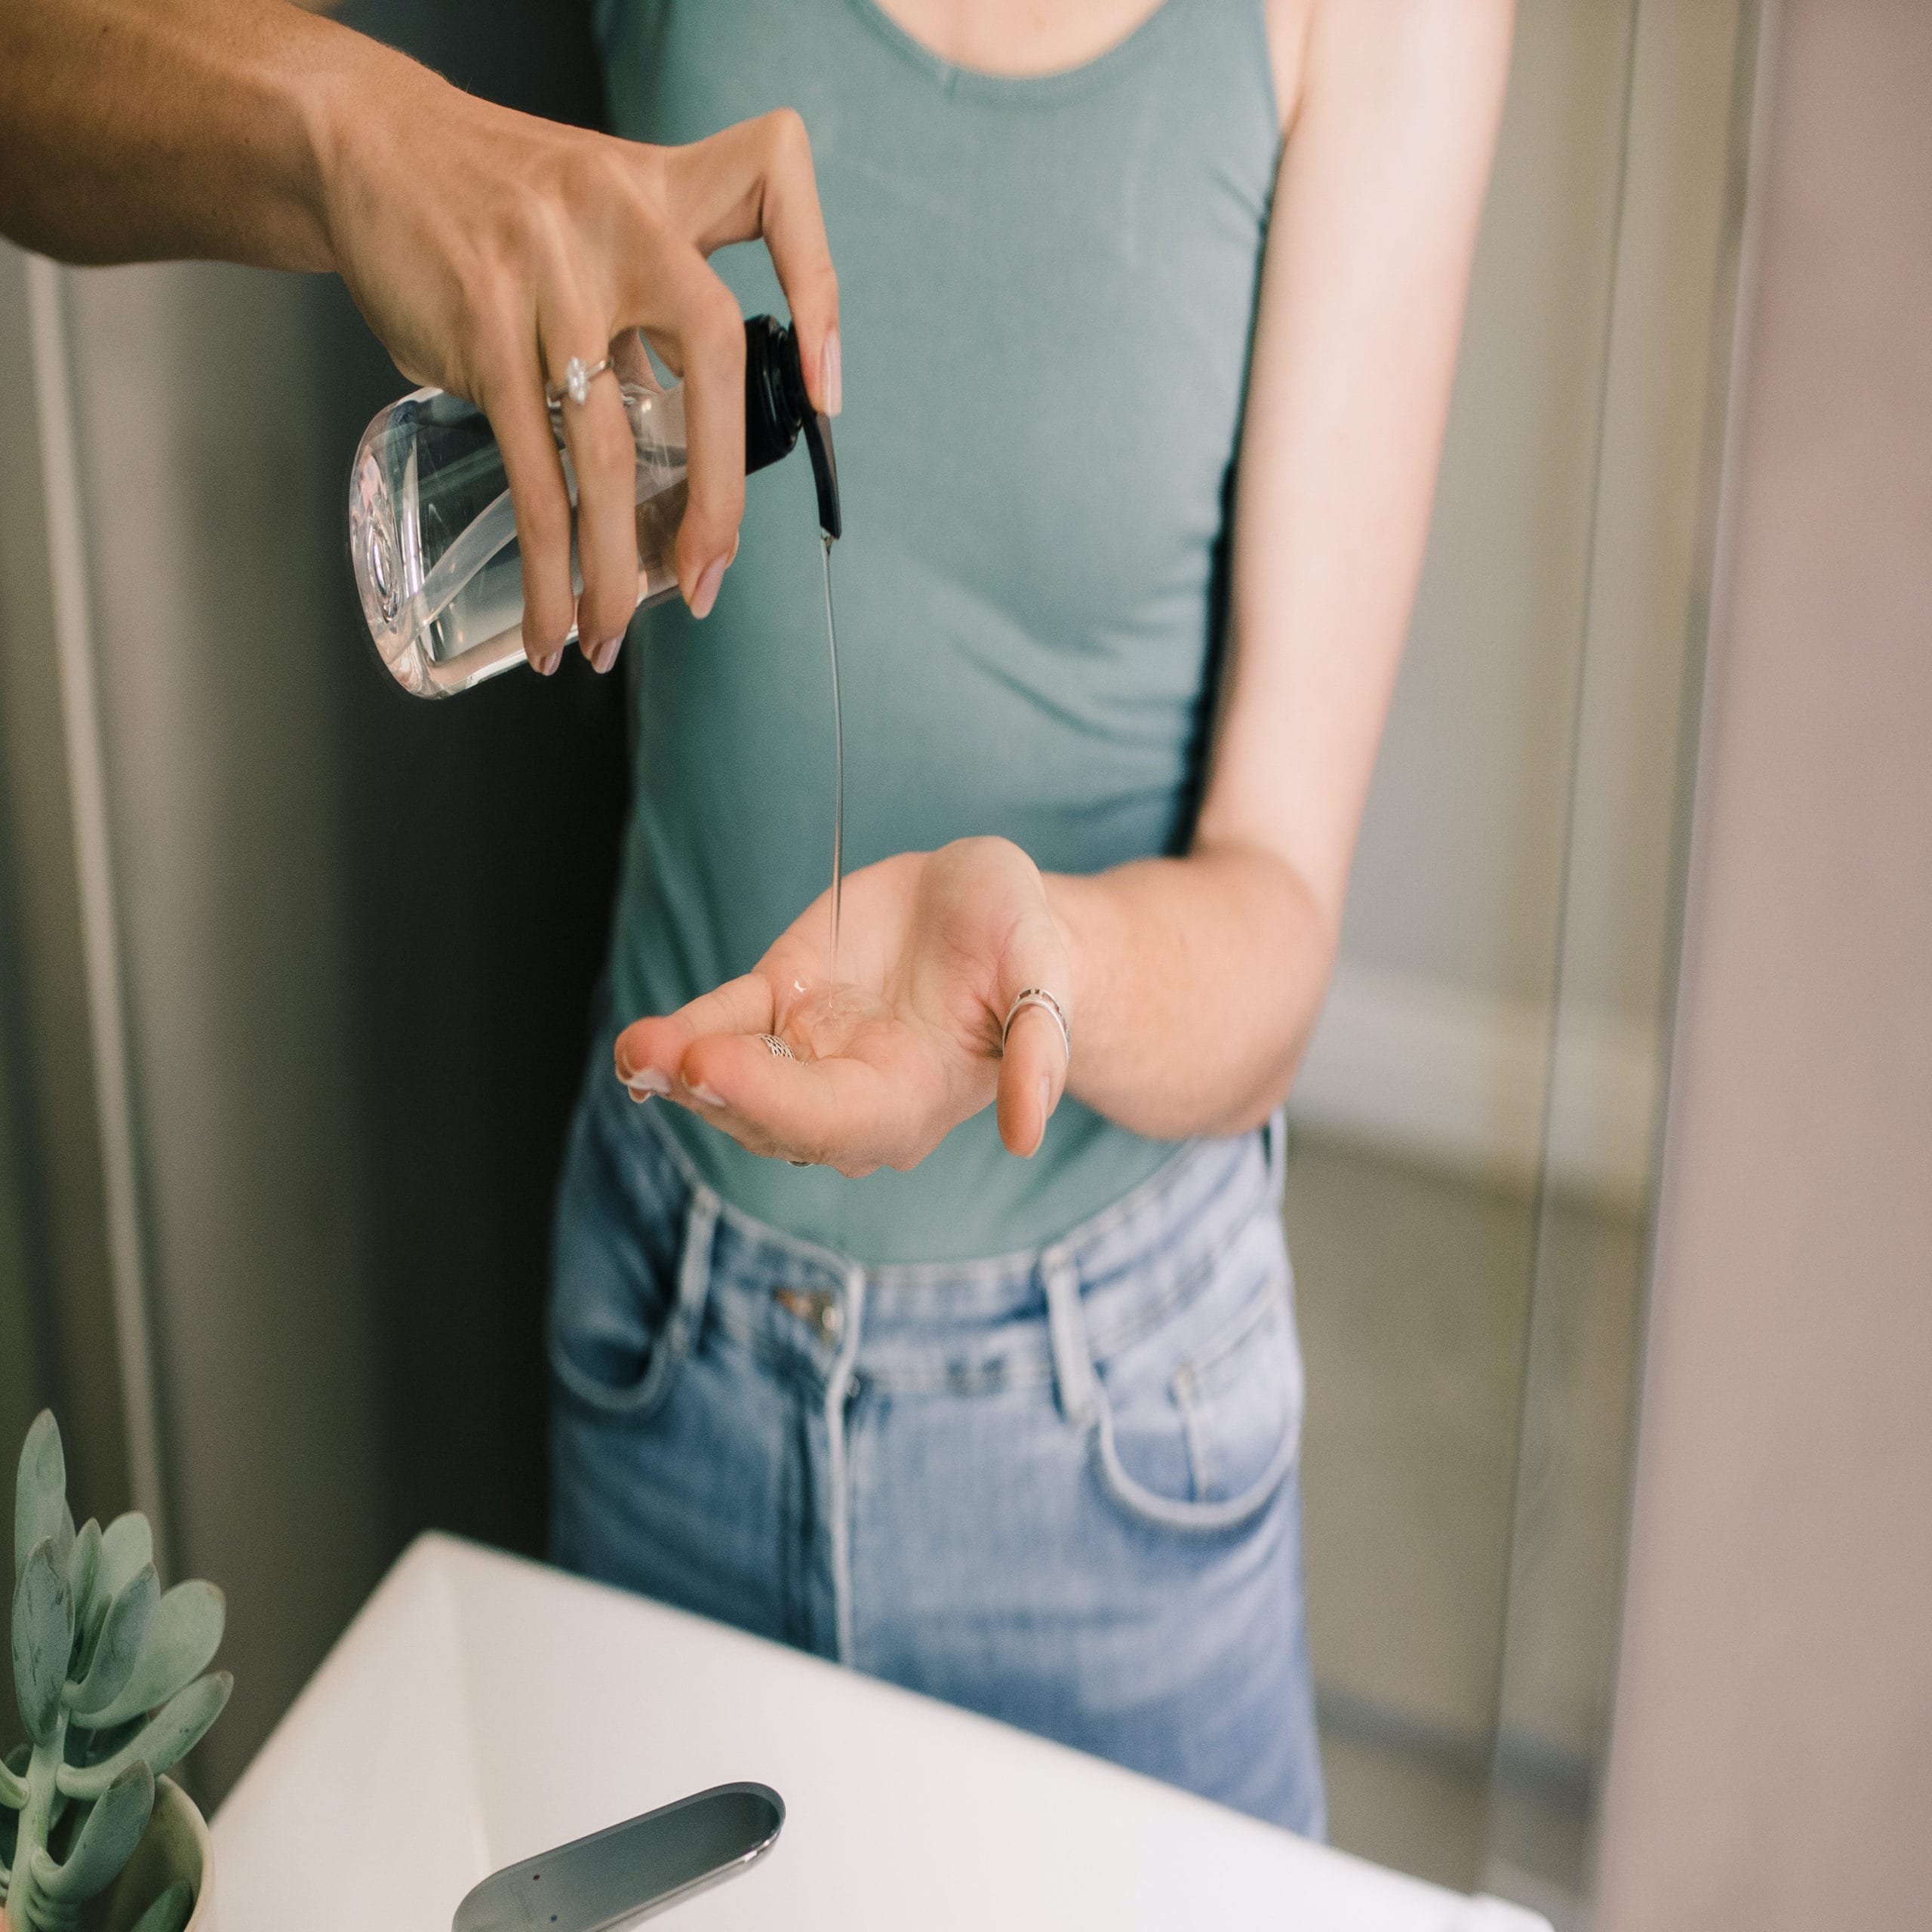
(1047, 296)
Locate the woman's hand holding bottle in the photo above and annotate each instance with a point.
(487, 249)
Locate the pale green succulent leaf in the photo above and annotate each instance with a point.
(169, 1913)
(127, 1545)
(161, 1743)
(43, 1641)
(40, 1491)
(108, 1836)
(83, 1566)
(118, 1649)
(187, 1634)
(13, 1789)
(90, 1620)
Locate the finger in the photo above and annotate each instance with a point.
(597, 436)
(509, 390)
(633, 362)
(709, 349)
(754, 179)
(794, 233)
(1033, 1068)
(657, 1046)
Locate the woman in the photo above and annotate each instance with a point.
(998, 1395)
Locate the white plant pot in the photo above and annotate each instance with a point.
(175, 1846)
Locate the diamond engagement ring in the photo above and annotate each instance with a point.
(1038, 996)
(776, 1047)
(578, 376)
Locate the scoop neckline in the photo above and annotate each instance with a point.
(1017, 89)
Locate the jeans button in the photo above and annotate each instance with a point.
(820, 1306)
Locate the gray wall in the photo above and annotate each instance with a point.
(1771, 1763)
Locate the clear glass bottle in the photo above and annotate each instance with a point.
(432, 540)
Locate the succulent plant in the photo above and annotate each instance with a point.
(108, 1673)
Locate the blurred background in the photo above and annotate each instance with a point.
(295, 973)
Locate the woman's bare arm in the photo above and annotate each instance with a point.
(1197, 980)
(486, 247)
(136, 132)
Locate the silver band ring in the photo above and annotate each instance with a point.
(1038, 996)
(578, 376)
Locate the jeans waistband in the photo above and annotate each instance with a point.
(967, 1323)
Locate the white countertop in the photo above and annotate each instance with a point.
(480, 1709)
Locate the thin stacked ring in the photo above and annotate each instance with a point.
(1038, 996)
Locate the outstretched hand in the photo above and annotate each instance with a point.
(934, 947)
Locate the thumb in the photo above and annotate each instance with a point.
(1035, 1062)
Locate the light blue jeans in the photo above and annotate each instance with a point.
(1058, 1487)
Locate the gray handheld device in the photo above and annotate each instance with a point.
(617, 1877)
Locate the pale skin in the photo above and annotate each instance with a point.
(485, 247)
(1192, 983)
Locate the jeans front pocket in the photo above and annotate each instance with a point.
(1204, 1434)
(1240, 1401)
(631, 1265)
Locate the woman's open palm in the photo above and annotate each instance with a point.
(904, 1045)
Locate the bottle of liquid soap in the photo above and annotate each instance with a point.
(433, 542)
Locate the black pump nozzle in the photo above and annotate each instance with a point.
(825, 474)
(777, 409)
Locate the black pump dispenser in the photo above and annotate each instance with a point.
(777, 411)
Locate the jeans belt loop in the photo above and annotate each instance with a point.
(693, 1269)
(1066, 1328)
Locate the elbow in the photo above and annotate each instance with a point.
(1262, 1099)
(1270, 1075)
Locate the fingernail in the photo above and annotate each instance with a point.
(705, 1095)
(832, 377)
(547, 666)
(645, 1081)
(1046, 1099)
(605, 655)
(706, 593)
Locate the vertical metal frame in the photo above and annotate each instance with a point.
(1753, 65)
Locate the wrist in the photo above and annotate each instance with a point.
(334, 96)
(1078, 905)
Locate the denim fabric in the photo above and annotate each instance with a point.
(1057, 1488)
